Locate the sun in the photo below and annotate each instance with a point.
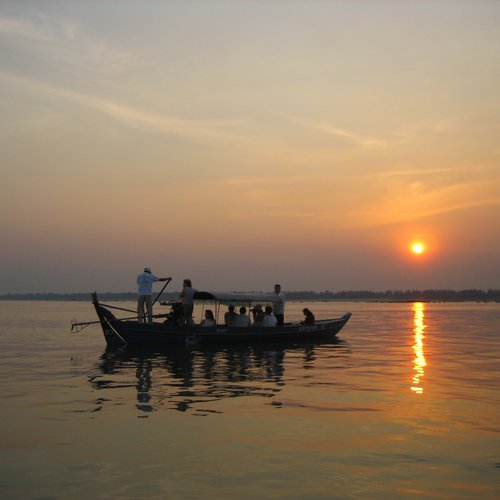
(418, 248)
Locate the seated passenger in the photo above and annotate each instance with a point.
(176, 315)
(309, 317)
(242, 320)
(230, 316)
(269, 318)
(209, 319)
(258, 315)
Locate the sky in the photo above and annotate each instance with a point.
(247, 143)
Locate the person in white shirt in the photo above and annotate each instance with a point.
(269, 318)
(187, 298)
(145, 282)
(209, 319)
(279, 305)
(242, 320)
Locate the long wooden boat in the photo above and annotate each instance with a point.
(129, 331)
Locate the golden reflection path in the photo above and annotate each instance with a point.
(419, 362)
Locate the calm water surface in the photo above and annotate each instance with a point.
(405, 404)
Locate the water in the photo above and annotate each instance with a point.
(405, 404)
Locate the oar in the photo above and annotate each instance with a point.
(161, 291)
(118, 308)
(79, 326)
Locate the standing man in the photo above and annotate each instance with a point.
(279, 305)
(187, 299)
(145, 282)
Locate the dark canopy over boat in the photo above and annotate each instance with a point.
(129, 331)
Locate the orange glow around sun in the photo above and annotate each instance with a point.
(418, 248)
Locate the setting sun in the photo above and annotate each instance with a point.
(417, 248)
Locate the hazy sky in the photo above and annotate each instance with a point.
(243, 143)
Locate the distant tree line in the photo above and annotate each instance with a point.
(473, 295)
(470, 295)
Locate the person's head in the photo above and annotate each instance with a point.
(277, 288)
(269, 310)
(187, 283)
(230, 308)
(257, 308)
(243, 310)
(306, 310)
(147, 270)
(209, 314)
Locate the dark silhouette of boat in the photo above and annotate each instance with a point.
(169, 331)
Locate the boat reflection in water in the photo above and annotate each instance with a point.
(193, 379)
(419, 362)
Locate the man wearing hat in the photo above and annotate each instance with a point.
(145, 282)
(258, 315)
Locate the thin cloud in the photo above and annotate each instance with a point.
(389, 218)
(22, 29)
(57, 41)
(151, 122)
(264, 180)
(344, 134)
(414, 131)
(337, 132)
(199, 131)
(415, 202)
(410, 172)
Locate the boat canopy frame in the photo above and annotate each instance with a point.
(219, 299)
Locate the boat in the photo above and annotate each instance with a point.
(168, 332)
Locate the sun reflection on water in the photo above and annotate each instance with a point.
(419, 362)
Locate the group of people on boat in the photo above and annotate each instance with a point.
(270, 316)
(260, 317)
(182, 311)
